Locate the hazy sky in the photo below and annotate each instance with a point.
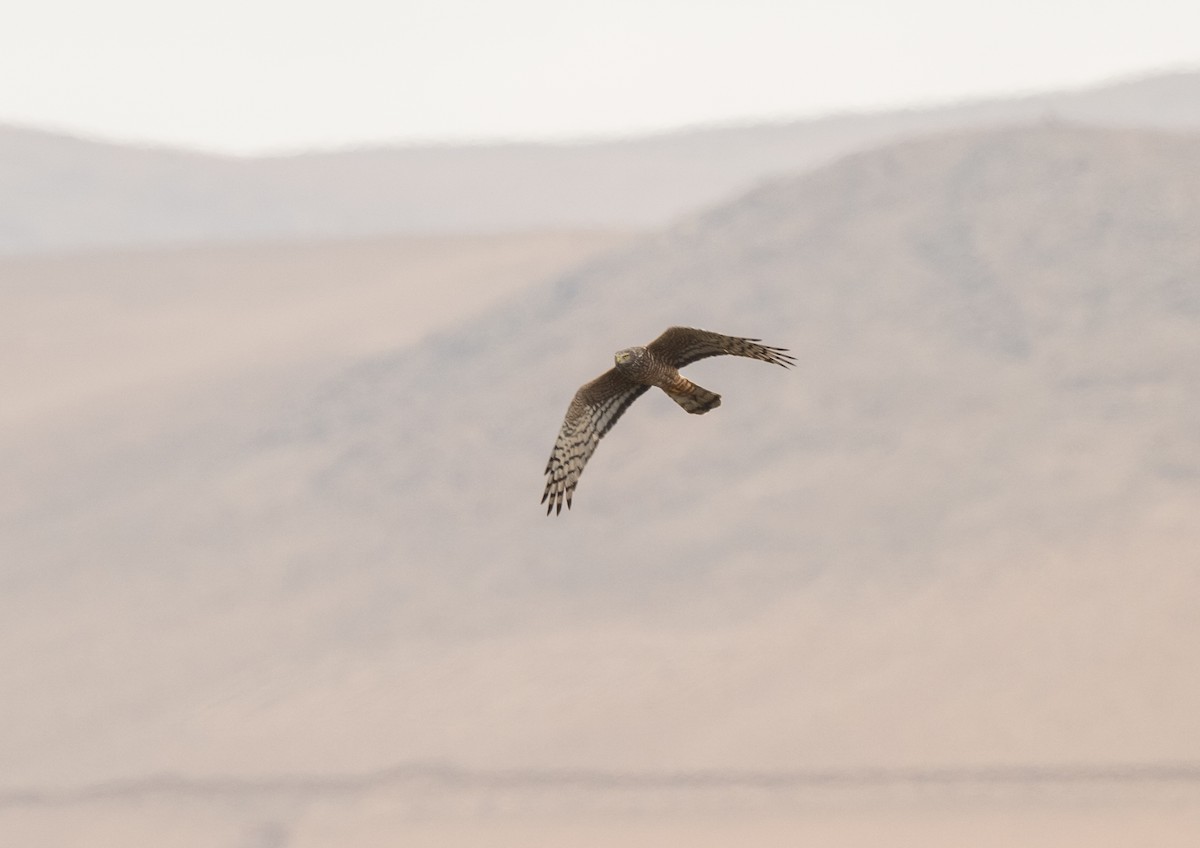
(249, 75)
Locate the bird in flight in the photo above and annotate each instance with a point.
(598, 404)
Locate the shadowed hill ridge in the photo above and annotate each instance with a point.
(61, 193)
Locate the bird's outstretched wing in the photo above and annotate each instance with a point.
(681, 346)
(592, 413)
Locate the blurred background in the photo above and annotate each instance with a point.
(293, 298)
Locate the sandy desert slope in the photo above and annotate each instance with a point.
(959, 535)
(81, 327)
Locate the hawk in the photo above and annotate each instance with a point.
(598, 404)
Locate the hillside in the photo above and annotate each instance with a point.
(61, 193)
(960, 535)
(92, 330)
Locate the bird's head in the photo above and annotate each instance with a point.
(629, 356)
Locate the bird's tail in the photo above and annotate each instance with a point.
(693, 398)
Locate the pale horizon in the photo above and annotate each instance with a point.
(600, 136)
(288, 78)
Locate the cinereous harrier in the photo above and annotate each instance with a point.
(598, 404)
